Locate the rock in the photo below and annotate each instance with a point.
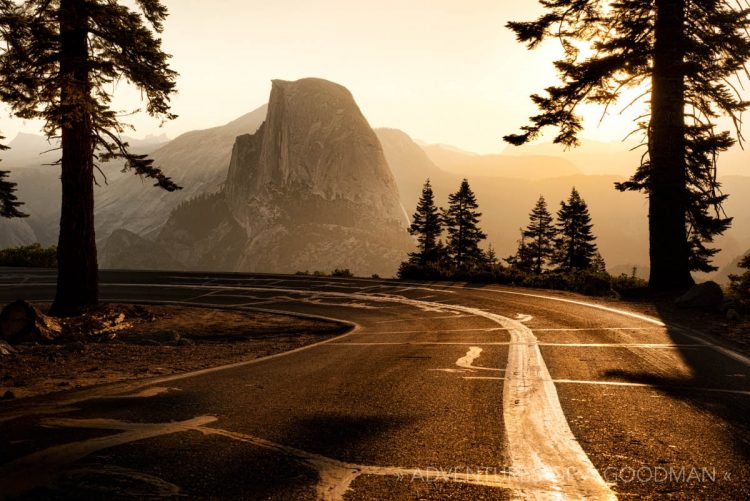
(6, 349)
(22, 322)
(8, 395)
(733, 315)
(707, 295)
(311, 189)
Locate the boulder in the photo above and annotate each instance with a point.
(707, 295)
(22, 322)
(6, 350)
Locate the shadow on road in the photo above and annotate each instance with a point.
(708, 369)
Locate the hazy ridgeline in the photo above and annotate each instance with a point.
(506, 186)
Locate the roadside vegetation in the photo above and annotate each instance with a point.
(740, 286)
(553, 253)
(29, 256)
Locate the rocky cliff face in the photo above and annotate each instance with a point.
(311, 189)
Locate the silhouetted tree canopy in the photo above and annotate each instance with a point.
(461, 220)
(427, 227)
(574, 245)
(61, 61)
(541, 233)
(687, 56)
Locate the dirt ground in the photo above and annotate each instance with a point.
(147, 341)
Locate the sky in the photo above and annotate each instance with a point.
(441, 70)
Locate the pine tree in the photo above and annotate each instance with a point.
(541, 233)
(522, 260)
(598, 264)
(60, 62)
(684, 54)
(574, 247)
(427, 227)
(9, 203)
(462, 222)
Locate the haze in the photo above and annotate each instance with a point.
(444, 71)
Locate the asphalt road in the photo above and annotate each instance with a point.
(439, 391)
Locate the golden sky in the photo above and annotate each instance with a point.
(444, 71)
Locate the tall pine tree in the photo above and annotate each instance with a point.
(685, 55)
(541, 235)
(60, 63)
(574, 247)
(461, 219)
(427, 227)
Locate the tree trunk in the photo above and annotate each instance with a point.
(77, 277)
(669, 250)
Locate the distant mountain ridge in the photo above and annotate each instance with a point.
(200, 162)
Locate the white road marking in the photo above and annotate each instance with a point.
(539, 437)
(416, 343)
(645, 346)
(467, 360)
(594, 329)
(44, 468)
(654, 346)
(627, 384)
(524, 318)
(438, 331)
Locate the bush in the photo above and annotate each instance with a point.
(587, 282)
(344, 273)
(740, 286)
(414, 271)
(29, 256)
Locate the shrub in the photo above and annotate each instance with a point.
(344, 273)
(740, 285)
(30, 256)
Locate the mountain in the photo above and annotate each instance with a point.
(197, 160)
(15, 232)
(310, 190)
(410, 166)
(126, 250)
(618, 158)
(212, 233)
(530, 167)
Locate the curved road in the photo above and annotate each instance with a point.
(439, 391)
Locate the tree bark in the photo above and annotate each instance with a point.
(669, 250)
(77, 278)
